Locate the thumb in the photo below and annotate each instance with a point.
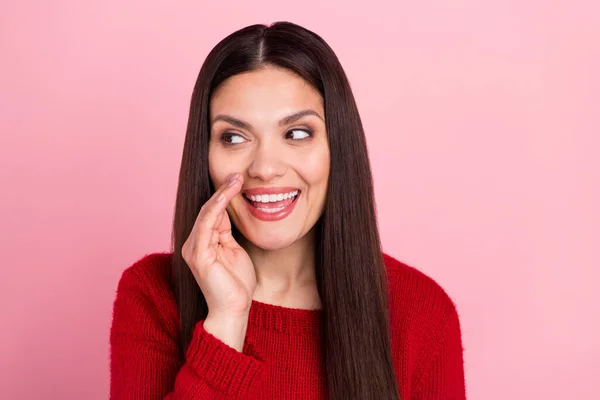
(226, 238)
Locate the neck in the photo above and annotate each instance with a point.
(286, 276)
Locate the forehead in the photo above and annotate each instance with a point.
(266, 93)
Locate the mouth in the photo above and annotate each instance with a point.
(271, 204)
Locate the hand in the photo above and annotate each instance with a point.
(220, 265)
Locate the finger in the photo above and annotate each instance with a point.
(226, 192)
(227, 240)
(213, 199)
(219, 220)
(207, 223)
(192, 243)
(186, 250)
(224, 232)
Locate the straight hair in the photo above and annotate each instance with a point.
(350, 272)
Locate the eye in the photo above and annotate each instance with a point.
(298, 134)
(230, 138)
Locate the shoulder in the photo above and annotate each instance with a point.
(425, 332)
(419, 306)
(145, 293)
(410, 284)
(150, 271)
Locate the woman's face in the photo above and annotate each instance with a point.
(269, 125)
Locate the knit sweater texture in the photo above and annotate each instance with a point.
(281, 358)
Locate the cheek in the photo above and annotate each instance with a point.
(219, 166)
(315, 168)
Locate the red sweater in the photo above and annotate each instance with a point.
(281, 355)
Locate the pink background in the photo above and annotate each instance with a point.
(483, 121)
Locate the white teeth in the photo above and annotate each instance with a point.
(271, 198)
(271, 210)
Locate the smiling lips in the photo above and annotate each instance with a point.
(271, 204)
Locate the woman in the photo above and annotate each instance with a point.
(277, 287)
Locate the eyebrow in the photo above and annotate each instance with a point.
(284, 121)
(290, 119)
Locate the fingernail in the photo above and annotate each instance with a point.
(232, 179)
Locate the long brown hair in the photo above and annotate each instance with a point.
(351, 276)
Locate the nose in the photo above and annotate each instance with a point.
(267, 163)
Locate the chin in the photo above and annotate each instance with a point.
(269, 236)
(270, 241)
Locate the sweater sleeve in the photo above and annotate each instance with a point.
(144, 362)
(444, 379)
